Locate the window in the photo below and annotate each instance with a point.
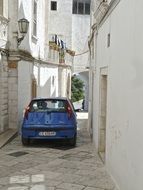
(81, 7)
(108, 40)
(1, 7)
(74, 7)
(53, 5)
(87, 8)
(48, 105)
(35, 18)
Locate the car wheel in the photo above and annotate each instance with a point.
(25, 141)
(73, 141)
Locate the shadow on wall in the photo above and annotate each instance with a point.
(45, 90)
(49, 89)
(54, 93)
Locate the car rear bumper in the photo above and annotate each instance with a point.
(34, 132)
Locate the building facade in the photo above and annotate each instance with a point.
(117, 86)
(30, 67)
(80, 34)
(70, 21)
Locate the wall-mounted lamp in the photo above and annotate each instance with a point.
(23, 25)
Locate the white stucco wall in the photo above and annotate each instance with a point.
(73, 29)
(124, 59)
(60, 21)
(24, 9)
(34, 44)
(80, 33)
(47, 80)
(25, 70)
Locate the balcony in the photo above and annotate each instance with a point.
(57, 55)
(3, 31)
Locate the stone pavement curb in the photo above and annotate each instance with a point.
(7, 136)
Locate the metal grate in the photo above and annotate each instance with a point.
(17, 154)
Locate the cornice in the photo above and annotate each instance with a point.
(111, 7)
(25, 55)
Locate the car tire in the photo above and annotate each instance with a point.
(73, 141)
(25, 141)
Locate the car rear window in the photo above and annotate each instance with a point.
(48, 105)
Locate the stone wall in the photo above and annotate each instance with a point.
(3, 92)
(13, 94)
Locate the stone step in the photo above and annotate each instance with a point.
(7, 136)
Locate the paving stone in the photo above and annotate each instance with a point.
(53, 167)
(92, 188)
(69, 178)
(71, 186)
(18, 188)
(103, 183)
(63, 170)
(51, 175)
(4, 181)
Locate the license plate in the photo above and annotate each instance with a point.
(49, 133)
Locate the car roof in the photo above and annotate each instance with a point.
(51, 98)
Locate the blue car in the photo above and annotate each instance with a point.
(49, 118)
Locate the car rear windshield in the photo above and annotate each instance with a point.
(48, 105)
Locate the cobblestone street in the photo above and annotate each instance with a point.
(48, 166)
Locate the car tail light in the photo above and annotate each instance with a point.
(27, 110)
(69, 111)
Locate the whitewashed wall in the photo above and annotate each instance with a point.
(80, 33)
(73, 29)
(124, 95)
(47, 80)
(25, 71)
(31, 61)
(60, 21)
(34, 44)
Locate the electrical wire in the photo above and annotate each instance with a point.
(82, 53)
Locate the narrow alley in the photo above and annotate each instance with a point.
(53, 166)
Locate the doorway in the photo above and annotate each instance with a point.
(102, 116)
